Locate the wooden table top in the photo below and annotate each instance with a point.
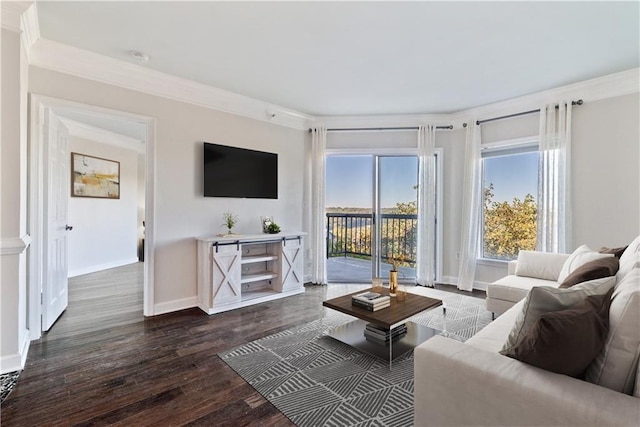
(386, 317)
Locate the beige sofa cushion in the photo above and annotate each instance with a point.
(540, 265)
(544, 299)
(493, 336)
(615, 367)
(515, 288)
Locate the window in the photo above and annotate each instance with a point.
(510, 191)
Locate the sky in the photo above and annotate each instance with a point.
(512, 176)
(349, 179)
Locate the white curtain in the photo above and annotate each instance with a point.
(554, 202)
(426, 205)
(471, 209)
(318, 226)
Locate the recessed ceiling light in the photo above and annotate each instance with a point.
(140, 57)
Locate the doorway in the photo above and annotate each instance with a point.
(371, 214)
(88, 123)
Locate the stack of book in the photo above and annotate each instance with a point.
(371, 301)
(378, 334)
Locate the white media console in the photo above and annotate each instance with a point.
(237, 271)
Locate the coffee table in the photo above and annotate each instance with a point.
(352, 333)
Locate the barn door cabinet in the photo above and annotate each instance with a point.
(238, 271)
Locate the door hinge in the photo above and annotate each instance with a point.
(41, 298)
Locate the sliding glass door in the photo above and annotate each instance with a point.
(371, 211)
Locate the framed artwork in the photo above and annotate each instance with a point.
(94, 177)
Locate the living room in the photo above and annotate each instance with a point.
(186, 109)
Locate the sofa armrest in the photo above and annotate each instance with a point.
(511, 267)
(457, 384)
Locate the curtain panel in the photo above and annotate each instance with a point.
(425, 272)
(554, 195)
(318, 230)
(471, 208)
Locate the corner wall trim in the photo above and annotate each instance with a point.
(175, 305)
(14, 245)
(15, 362)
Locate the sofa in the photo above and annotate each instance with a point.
(472, 383)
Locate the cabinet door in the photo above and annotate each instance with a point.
(292, 264)
(226, 270)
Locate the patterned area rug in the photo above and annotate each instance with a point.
(7, 382)
(318, 381)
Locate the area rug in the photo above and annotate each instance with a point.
(317, 381)
(7, 383)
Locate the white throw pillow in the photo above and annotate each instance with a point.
(615, 367)
(580, 256)
(544, 299)
(539, 265)
(626, 265)
(633, 248)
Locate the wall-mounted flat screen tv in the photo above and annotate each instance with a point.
(239, 172)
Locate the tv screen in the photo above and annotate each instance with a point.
(238, 172)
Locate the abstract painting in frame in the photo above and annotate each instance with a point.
(94, 177)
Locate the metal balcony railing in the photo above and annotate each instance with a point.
(351, 235)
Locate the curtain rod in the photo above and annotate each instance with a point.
(393, 128)
(479, 122)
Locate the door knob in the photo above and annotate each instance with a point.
(68, 227)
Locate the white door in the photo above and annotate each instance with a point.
(57, 187)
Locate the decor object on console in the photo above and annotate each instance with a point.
(522, 394)
(273, 228)
(235, 272)
(266, 222)
(230, 221)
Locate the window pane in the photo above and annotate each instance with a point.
(510, 188)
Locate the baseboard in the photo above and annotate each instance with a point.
(175, 305)
(100, 267)
(15, 362)
(481, 286)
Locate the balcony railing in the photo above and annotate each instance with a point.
(351, 235)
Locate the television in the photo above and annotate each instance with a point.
(239, 172)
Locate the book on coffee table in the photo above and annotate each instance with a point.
(371, 301)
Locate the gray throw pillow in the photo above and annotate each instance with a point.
(543, 299)
(566, 341)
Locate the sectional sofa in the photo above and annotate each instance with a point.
(472, 383)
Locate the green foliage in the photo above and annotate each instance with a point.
(508, 227)
(273, 228)
(230, 220)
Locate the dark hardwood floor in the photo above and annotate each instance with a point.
(104, 363)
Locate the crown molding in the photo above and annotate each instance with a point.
(82, 63)
(104, 136)
(30, 27)
(11, 12)
(609, 86)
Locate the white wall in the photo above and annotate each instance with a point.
(105, 233)
(14, 338)
(181, 211)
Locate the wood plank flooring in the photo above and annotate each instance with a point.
(104, 363)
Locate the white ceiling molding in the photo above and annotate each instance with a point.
(610, 86)
(93, 133)
(30, 27)
(11, 12)
(78, 62)
(14, 245)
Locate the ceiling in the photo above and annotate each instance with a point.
(360, 58)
